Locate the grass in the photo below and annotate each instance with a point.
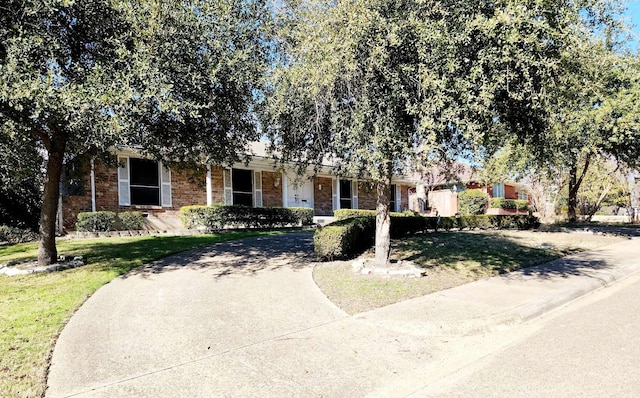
(35, 308)
(450, 259)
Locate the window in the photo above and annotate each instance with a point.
(523, 196)
(392, 203)
(144, 180)
(242, 187)
(345, 194)
(498, 190)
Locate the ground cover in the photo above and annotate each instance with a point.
(35, 308)
(450, 259)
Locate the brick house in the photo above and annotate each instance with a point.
(131, 182)
(443, 187)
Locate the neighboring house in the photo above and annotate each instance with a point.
(136, 183)
(443, 185)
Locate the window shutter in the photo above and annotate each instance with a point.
(334, 191)
(354, 192)
(257, 183)
(228, 188)
(398, 199)
(124, 195)
(165, 185)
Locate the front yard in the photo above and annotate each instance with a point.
(35, 308)
(450, 259)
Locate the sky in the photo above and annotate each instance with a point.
(633, 15)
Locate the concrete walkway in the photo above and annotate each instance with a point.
(245, 319)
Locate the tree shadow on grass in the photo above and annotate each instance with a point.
(491, 254)
(239, 257)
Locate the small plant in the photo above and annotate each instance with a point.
(131, 220)
(99, 221)
(472, 202)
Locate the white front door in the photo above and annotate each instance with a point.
(300, 192)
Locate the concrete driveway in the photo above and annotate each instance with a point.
(245, 319)
(242, 318)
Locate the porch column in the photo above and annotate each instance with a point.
(209, 187)
(93, 186)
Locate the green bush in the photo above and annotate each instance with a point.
(512, 204)
(219, 217)
(304, 214)
(131, 220)
(14, 235)
(345, 238)
(343, 214)
(99, 221)
(472, 202)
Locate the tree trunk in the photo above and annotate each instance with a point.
(383, 218)
(572, 203)
(574, 186)
(47, 252)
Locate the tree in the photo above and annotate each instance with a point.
(366, 83)
(178, 78)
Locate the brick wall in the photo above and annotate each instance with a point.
(510, 192)
(404, 196)
(188, 187)
(367, 195)
(323, 201)
(271, 194)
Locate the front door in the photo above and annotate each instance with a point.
(300, 192)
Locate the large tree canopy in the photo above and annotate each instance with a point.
(370, 82)
(177, 78)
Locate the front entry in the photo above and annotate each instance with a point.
(299, 192)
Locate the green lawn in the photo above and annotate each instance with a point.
(450, 259)
(35, 308)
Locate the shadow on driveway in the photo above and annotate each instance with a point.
(241, 257)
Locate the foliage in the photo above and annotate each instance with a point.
(342, 214)
(99, 221)
(345, 238)
(220, 217)
(20, 181)
(511, 204)
(35, 308)
(131, 220)
(14, 235)
(472, 201)
(178, 77)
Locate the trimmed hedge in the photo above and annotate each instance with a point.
(512, 204)
(14, 235)
(343, 214)
(349, 237)
(131, 220)
(219, 217)
(100, 221)
(472, 202)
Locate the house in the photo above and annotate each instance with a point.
(442, 186)
(132, 182)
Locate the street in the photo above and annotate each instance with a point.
(589, 348)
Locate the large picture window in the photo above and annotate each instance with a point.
(144, 182)
(242, 187)
(498, 190)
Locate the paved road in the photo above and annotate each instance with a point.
(589, 349)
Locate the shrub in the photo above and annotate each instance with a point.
(99, 221)
(501, 203)
(14, 235)
(343, 214)
(131, 220)
(472, 202)
(303, 214)
(218, 217)
(345, 238)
